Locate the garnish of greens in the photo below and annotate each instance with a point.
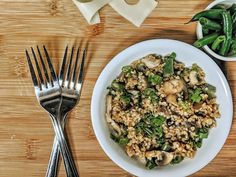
(161, 92)
(219, 29)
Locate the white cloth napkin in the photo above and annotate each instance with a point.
(90, 9)
(136, 14)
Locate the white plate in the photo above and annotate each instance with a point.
(189, 55)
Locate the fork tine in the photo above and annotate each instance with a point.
(34, 79)
(43, 64)
(75, 67)
(81, 71)
(37, 66)
(69, 67)
(63, 67)
(53, 74)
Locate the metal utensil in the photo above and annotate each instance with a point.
(70, 91)
(48, 93)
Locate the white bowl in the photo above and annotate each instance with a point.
(189, 55)
(200, 34)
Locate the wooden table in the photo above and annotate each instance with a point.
(25, 130)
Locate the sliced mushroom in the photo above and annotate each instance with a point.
(172, 99)
(151, 61)
(142, 160)
(141, 67)
(133, 92)
(193, 77)
(173, 86)
(162, 157)
(116, 127)
(112, 123)
(151, 154)
(109, 107)
(197, 106)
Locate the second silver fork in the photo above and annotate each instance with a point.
(48, 93)
(70, 92)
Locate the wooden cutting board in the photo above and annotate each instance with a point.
(25, 129)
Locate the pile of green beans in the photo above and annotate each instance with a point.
(219, 29)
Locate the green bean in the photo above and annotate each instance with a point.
(205, 30)
(210, 24)
(234, 18)
(232, 48)
(234, 22)
(211, 13)
(220, 6)
(210, 90)
(218, 48)
(232, 9)
(169, 65)
(209, 39)
(217, 42)
(227, 24)
(225, 47)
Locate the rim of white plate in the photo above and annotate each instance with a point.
(105, 141)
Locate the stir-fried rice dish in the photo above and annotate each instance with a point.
(160, 111)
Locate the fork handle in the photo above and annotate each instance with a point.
(64, 149)
(54, 157)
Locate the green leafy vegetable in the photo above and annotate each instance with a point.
(154, 79)
(151, 125)
(117, 86)
(150, 93)
(160, 141)
(166, 147)
(202, 133)
(177, 160)
(195, 67)
(195, 95)
(125, 99)
(151, 164)
(184, 105)
(154, 120)
(198, 143)
(121, 140)
(127, 70)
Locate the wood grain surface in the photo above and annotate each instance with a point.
(26, 133)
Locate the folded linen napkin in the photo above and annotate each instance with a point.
(90, 9)
(136, 13)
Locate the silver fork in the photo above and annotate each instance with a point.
(48, 93)
(70, 91)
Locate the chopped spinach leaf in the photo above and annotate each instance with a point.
(150, 93)
(154, 79)
(151, 164)
(177, 160)
(195, 95)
